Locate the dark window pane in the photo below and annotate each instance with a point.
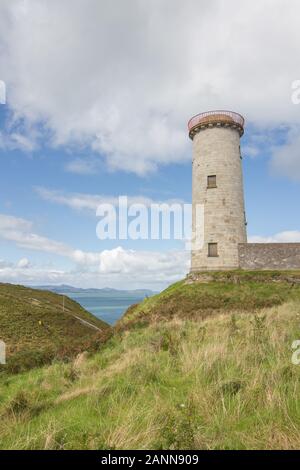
(212, 181)
(212, 249)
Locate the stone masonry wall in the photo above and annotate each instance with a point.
(269, 256)
(216, 151)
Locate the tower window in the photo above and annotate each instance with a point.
(212, 181)
(212, 250)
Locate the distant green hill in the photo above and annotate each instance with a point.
(38, 326)
(106, 292)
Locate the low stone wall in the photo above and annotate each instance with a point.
(269, 256)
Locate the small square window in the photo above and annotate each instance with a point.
(212, 181)
(212, 250)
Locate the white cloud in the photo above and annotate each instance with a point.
(11, 223)
(118, 266)
(16, 141)
(22, 142)
(23, 263)
(20, 231)
(90, 202)
(251, 151)
(292, 236)
(5, 264)
(80, 166)
(123, 79)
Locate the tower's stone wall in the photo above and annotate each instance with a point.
(216, 151)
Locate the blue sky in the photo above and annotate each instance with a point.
(84, 120)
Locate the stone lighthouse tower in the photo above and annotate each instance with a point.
(217, 190)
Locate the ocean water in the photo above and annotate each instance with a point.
(109, 309)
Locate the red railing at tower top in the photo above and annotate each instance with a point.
(236, 117)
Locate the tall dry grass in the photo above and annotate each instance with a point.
(226, 382)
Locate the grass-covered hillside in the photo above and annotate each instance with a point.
(219, 379)
(38, 326)
(222, 383)
(210, 293)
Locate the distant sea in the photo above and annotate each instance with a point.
(108, 309)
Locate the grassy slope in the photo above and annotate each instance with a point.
(226, 381)
(217, 292)
(36, 329)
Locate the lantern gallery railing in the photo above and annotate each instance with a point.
(210, 118)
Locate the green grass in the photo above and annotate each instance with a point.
(217, 376)
(36, 328)
(217, 292)
(221, 383)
